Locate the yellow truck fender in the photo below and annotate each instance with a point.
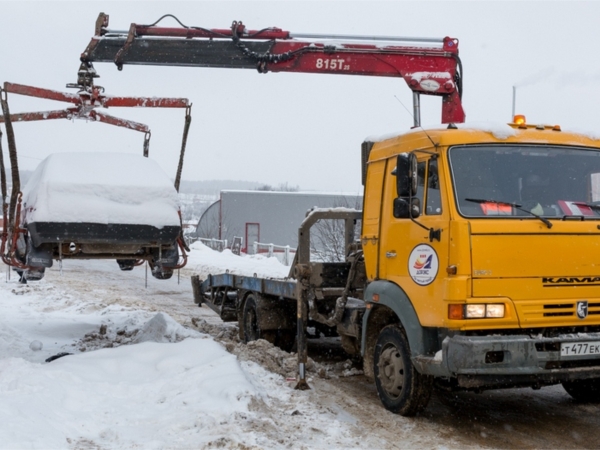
(395, 307)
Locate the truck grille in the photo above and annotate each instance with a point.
(568, 309)
(557, 312)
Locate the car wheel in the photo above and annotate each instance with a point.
(126, 264)
(34, 273)
(160, 273)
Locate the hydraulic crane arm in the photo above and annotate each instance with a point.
(429, 66)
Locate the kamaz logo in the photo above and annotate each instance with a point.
(582, 309)
(571, 281)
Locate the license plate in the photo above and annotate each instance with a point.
(579, 348)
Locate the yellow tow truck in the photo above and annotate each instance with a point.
(478, 265)
(481, 248)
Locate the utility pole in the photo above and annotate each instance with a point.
(514, 101)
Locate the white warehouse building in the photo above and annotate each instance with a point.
(271, 217)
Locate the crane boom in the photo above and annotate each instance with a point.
(429, 66)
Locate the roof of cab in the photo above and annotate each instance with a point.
(478, 133)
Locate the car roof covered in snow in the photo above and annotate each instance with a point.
(106, 188)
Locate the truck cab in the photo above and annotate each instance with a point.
(481, 254)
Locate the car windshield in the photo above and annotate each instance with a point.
(490, 180)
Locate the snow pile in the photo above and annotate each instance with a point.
(175, 384)
(177, 388)
(498, 130)
(105, 188)
(151, 393)
(39, 322)
(203, 261)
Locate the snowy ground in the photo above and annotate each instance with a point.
(150, 369)
(137, 378)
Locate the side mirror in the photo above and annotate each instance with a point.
(406, 175)
(405, 208)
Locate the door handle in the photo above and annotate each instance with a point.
(391, 254)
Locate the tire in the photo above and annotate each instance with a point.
(34, 273)
(252, 332)
(401, 389)
(161, 273)
(584, 390)
(284, 339)
(126, 264)
(58, 355)
(22, 279)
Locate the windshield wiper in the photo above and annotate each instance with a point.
(514, 205)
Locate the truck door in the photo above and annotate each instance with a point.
(414, 253)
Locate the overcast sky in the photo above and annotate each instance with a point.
(298, 128)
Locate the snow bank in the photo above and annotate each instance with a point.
(203, 261)
(176, 389)
(156, 394)
(105, 188)
(175, 385)
(58, 322)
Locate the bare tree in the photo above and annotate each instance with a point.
(327, 238)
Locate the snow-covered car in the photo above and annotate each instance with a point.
(99, 206)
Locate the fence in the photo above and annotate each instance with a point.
(215, 244)
(285, 254)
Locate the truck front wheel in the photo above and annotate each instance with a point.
(584, 390)
(401, 389)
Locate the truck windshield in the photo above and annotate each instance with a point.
(548, 181)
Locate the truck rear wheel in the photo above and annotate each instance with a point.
(401, 389)
(285, 339)
(252, 331)
(583, 390)
(282, 338)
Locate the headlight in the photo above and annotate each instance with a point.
(494, 311)
(475, 311)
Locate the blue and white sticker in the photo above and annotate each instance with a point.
(423, 264)
(429, 85)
